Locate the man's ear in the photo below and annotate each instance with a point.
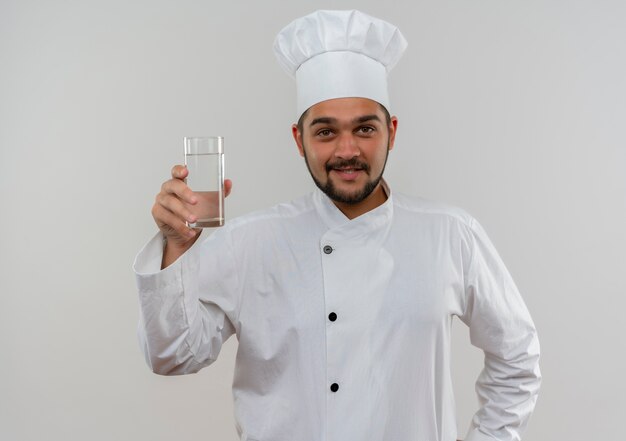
(393, 127)
(297, 137)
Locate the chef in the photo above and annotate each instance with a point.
(342, 301)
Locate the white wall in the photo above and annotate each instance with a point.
(513, 110)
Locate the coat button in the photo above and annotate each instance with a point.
(332, 316)
(328, 249)
(334, 387)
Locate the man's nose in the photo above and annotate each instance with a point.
(347, 146)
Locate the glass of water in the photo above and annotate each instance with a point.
(204, 158)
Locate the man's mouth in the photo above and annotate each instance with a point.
(348, 166)
(347, 170)
(347, 173)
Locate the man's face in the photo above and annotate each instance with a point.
(345, 143)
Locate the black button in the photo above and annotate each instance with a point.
(332, 316)
(334, 387)
(328, 249)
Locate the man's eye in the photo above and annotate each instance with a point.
(324, 132)
(365, 130)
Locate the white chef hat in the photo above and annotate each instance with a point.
(336, 54)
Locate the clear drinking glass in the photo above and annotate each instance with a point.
(204, 158)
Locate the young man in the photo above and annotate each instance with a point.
(342, 301)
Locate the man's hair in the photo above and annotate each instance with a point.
(383, 108)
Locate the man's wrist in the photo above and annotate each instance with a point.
(172, 250)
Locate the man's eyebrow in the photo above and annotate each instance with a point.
(323, 120)
(366, 118)
(358, 120)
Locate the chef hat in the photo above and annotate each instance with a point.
(335, 54)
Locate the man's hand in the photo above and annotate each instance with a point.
(171, 210)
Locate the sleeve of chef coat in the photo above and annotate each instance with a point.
(186, 309)
(501, 326)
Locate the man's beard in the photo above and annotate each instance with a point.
(329, 188)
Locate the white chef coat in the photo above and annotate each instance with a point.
(344, 325)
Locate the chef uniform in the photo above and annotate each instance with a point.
(343, 326)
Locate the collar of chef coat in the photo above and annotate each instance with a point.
(337, 221)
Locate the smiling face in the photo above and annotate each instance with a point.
(345, 143)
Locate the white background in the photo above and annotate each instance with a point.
(513, 110)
